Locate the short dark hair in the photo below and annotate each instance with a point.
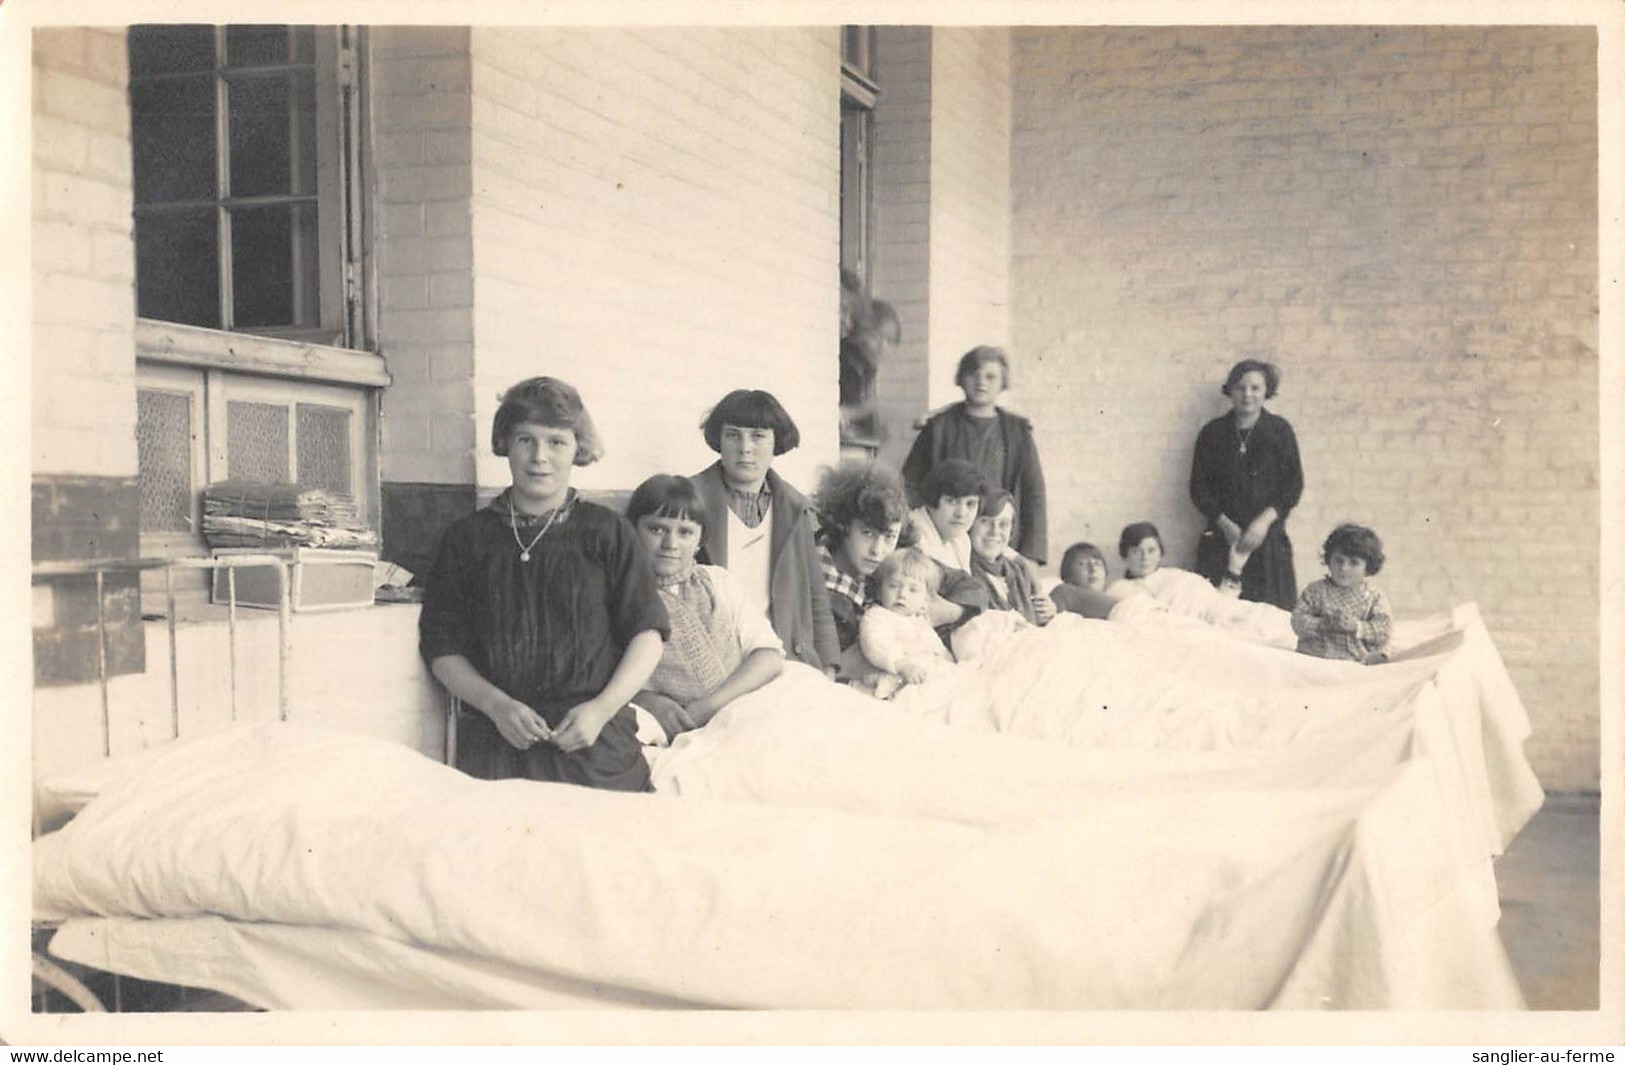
(1134, 533)
(954, 478)
(1271, 372)
(1076, 553)
(1355, 541)
(666, 495)
(858, 491)
(974, 359)
(546, 401)
(751, 408)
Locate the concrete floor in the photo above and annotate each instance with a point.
(1548, 881)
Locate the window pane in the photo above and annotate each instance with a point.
(177, 266)
(168, 49)
(273, 264)
(324, 447)
(257, 441)
(164, 449)
(251, 46)
(273, 134)
(172, 139)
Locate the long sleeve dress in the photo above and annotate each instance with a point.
(1240, 474)
(550, 632)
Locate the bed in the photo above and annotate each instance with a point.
(1289, 834)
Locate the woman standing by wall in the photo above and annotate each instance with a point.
(1246, 477)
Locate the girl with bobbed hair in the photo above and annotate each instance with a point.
(540, 611)
(1246, 476)
(720, 647)
(760, 529)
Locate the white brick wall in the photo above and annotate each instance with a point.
(970, 200)
(83, 347)
(655, 221)
(1405, 220)
(942, 210)
(422, 142)
(902, 224)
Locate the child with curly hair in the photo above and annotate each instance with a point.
(1342, 615)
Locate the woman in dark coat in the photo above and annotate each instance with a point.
(1246, 477)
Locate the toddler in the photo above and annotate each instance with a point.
(896, 633)
(1342, 615)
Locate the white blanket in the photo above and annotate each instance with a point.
(1149, 710)
(1096, 896)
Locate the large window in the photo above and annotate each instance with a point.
(251, 362)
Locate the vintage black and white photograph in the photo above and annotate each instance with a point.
(1048, 511)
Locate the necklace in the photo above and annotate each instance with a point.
(524, 548)
(1242, 440)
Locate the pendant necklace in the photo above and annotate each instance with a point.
(1242, 440)
(524, 548)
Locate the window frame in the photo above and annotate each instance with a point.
(335, 67)
(860, 94)
(219, 367)
(333, 364)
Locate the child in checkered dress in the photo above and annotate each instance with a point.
(1342, 615)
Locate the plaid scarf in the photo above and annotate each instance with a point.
(839, 581)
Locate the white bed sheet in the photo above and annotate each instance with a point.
(297, 967)
(1208, 897)
(1137, 821)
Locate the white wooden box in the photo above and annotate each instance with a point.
(321, 579)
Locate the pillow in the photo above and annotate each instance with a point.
(60, 795)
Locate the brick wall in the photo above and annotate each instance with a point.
(1404, 219)
(84, 501)
(902, 224)
(942, 211)
(421, 140)
(84, 258)
(970, 200)
(655, 221)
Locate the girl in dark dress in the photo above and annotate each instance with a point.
(1246, 477)
(541, 613)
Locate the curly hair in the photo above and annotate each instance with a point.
(1354, 541)
(854, 492)
(550, 402)
(751, 408)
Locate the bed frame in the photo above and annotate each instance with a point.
(48, 975)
